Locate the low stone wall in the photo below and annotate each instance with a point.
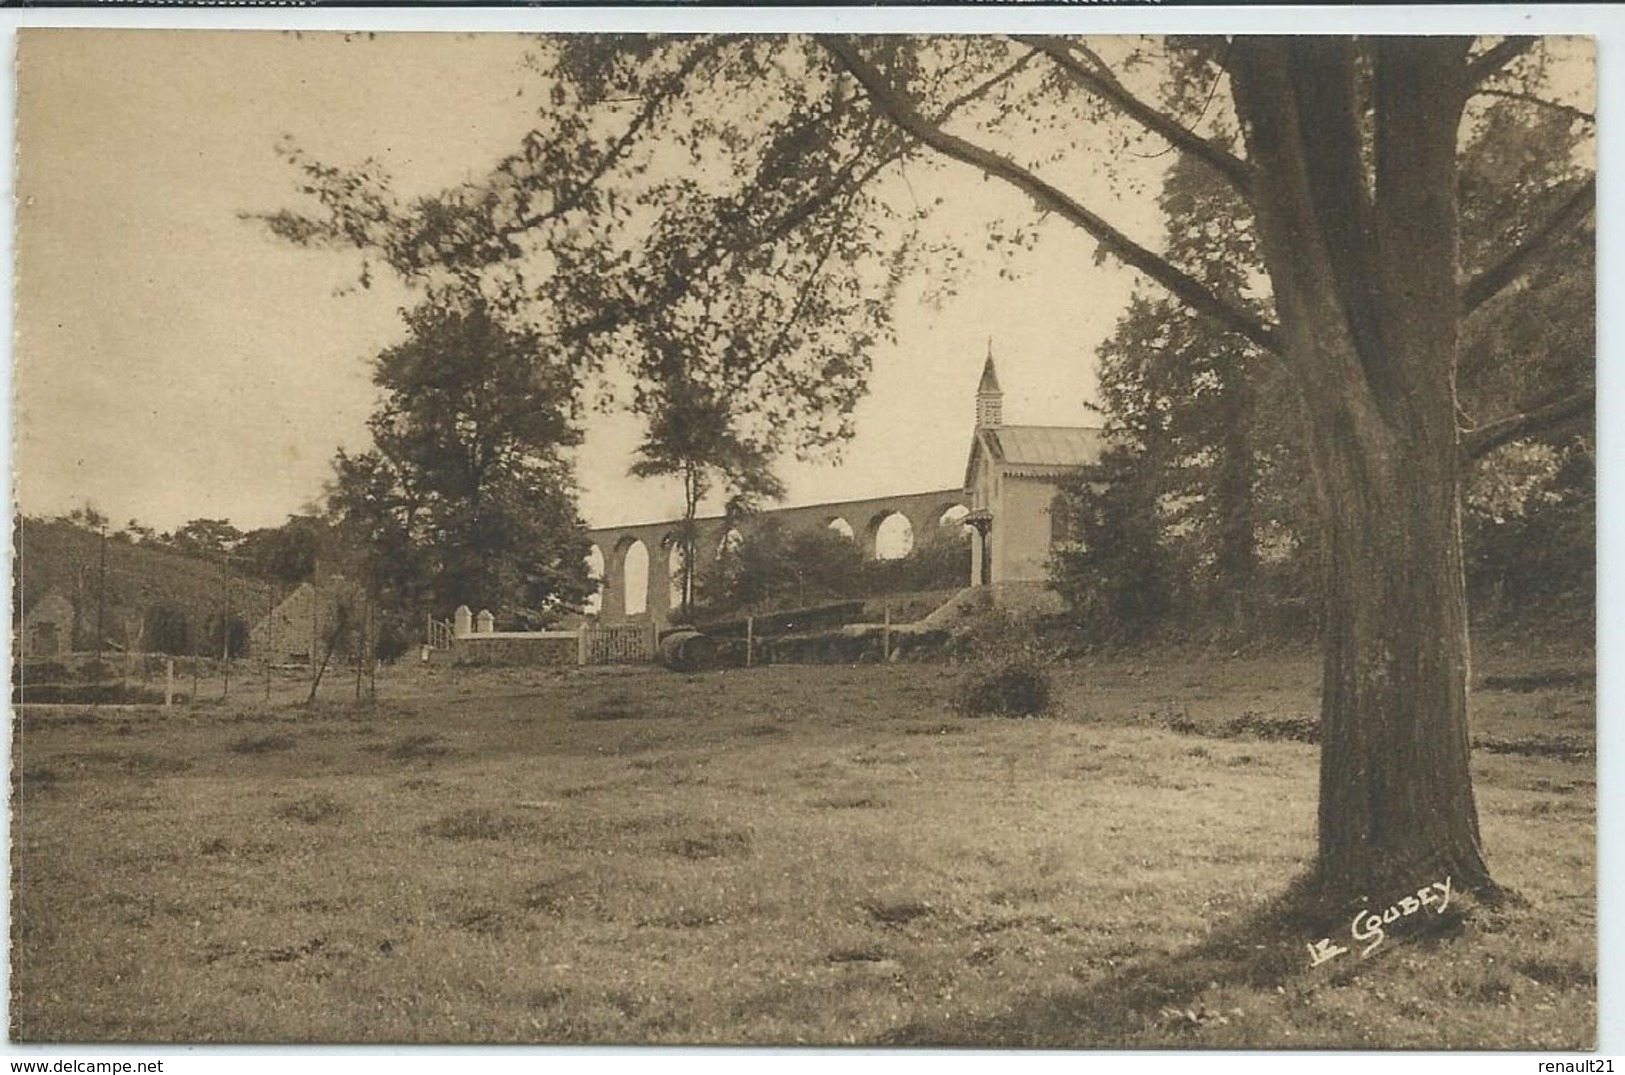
(539, 648)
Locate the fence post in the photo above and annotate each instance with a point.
(750, 641)
(581, 645)
(169, 682)
(885, 636)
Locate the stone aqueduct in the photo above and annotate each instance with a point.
(660, 556)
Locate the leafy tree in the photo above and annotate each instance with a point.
(777, 567)
(1116, 573)
(208, 539)
(139, 534)
(168, 629)
(1348, 163)
(773, 566)
(465, 496)
(692, 435)
(286, 553)
(87, 517)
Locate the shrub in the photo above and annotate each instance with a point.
(1014, 688)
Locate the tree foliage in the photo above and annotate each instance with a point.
(1210, 428)
(466, 496)
(692, 435)
(777, 567)
(287, 554)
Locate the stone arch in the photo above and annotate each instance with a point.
(675, 557)
(839, 524)
(633, 555)
(891, 535)
(951, 517)
(595, 576)
(729, 542)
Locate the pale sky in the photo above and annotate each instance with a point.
(174, 362)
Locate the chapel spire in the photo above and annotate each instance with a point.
(989, 397)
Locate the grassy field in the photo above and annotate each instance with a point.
(780, 855)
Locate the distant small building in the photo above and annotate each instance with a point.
(47, 627)
(1012, 479)
(296, 630)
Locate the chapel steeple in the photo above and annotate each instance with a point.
(989, 397)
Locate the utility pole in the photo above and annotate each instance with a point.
(101, 589)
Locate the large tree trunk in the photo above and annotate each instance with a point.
(1358, 225)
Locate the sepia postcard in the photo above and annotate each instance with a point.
(1011, 538)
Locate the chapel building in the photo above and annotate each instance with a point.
(1012, 479)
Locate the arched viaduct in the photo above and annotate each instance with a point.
(652, 548)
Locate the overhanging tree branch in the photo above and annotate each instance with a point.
(1103, 84)
(1186, 287)
(1530, 98)
(1491, 435)
(1496, 57)
(1484, 287)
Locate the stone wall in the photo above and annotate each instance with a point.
(547, 648)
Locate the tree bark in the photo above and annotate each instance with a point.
(1359, 231)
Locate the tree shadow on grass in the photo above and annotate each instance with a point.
(1150, 1002)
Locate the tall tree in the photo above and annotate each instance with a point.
(1349, 166)
(692, 436)
(466, 496)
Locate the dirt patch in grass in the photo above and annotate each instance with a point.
(477, 824)
(34, 779)
(140, 763)
(720, 843)
(1559, 973)
(1535, 681)
(848, 802)
(312, 809)
(897, 912)
(1537, 746)
(682, 918)
(617, 706)
(1299, 728)
(1295, 728)
(261, 744)
(226, 847)
(411, 747)
(486, 921)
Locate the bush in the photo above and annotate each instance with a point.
(1015, 688)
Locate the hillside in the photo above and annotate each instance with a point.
(149, 599)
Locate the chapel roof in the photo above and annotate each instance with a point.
(1036, 450)
(1045, 446)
